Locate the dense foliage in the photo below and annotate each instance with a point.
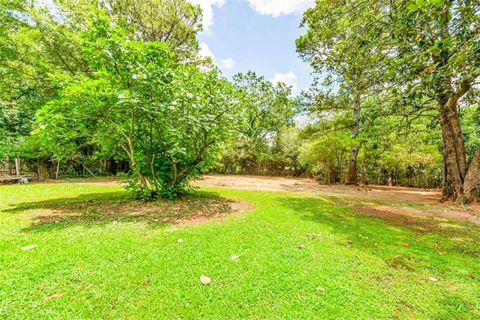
(101, 89)
(106, 87)
(414, 60)
(261, 142)
(167, 117)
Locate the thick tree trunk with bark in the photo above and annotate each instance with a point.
(42, 169)
(352, 167)
(455, 163)
(461, 181)
(471, 185)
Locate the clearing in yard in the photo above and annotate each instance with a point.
(241, 247)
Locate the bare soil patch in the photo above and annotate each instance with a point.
(381, 201)
(190, 210)
(435, 213)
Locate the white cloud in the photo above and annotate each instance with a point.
(227, 63)
(207, 10)
(289, 78)
(276, 8)
(205, 51)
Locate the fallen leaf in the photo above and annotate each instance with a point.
(180, 240)
(205, 280)
(429, 69)
(235, 257)
(54, 296)
(30, 247)
(320, 290)
(433, 279)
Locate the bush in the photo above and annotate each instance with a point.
(167, 117)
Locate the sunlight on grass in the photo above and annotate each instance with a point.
(289, 246)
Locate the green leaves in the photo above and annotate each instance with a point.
(167, 118)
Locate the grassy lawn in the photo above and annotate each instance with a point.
(94, 265)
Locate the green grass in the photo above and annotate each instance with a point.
(135, 269)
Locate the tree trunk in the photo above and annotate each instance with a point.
(460, 180)
(352, 167)
(471, 185)
(17, 167)
(58, 170)
(6, 165)
(42, 169)
(453, 185)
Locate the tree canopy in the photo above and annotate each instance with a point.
(419, 59)
(118, 86)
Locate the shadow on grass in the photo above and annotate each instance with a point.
(409, 235)
(102, 208)
(449, 251)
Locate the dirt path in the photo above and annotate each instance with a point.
(374, 200)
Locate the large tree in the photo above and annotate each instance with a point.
(336, 46)
(430, 52)
(175, 22)
(167, 117)
(438, 51)
(40, 46)
(266, 110)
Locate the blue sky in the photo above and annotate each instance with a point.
(256, 35)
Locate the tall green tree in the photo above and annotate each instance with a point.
(265, 110)
(430, 58)
(340, 51)
(41, 47)
(175, 22)
(168, 117)
(33, 46)
(439, 55)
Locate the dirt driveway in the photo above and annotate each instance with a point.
(374, 200)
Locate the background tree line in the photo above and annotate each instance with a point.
(104, 87)
(413, 64)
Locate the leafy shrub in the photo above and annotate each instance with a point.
(167, 117)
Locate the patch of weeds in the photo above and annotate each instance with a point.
(401, 261)
(466, 248)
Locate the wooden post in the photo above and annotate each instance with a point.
(17, 167)
(58, 170)
(7, 165)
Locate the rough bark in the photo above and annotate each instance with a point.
(461, 181)
(453, 185)
(455, 159)
(471, 184)
(352, 167)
